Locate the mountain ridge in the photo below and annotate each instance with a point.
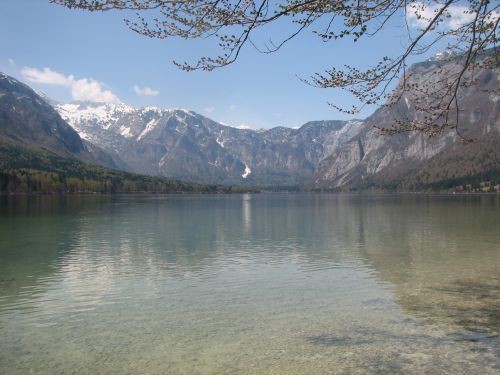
(393, 157)
(41, 153)
(184, 144)
(319, 155)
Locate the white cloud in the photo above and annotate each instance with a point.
(232, 107)
(456, 16)
(81, 89)
(145, 91)
(209, 109)
(459, 16)
(89, 89)
(11, 61)
(47, 76)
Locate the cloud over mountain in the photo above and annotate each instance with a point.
(145, 91)
(81, 89)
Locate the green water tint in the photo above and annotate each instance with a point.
(250, 284)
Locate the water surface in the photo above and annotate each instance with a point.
(250, 284)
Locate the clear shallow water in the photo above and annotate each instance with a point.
(250, 284)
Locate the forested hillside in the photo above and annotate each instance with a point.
(27, 169)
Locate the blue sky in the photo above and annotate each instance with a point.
(95, 53)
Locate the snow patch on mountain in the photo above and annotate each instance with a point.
(125, 131)
(247, 171)
(220, 141)
(103, 114)
(149, 126)
(162, 160)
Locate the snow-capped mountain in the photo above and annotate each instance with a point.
(183, 144)
(323, 154)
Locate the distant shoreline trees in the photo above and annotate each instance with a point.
(28, 180)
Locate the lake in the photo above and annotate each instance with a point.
(250, 284)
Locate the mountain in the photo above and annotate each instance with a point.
(28, 118)
(332, 155)
(182, 144)
(320, 155)
(26, 168)
(40, 152)
(412, 161)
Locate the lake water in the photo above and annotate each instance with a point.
(250, 284)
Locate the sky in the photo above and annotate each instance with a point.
(77, 55)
